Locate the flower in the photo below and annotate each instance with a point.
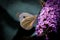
(48, 17)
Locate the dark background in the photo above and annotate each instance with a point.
(8, 20)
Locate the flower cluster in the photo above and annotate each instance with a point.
(48, 17)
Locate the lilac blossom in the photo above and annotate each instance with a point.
(48, 17)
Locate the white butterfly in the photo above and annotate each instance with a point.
(26, 20)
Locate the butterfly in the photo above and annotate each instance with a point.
(26, 20)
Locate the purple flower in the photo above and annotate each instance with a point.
(48, 17)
